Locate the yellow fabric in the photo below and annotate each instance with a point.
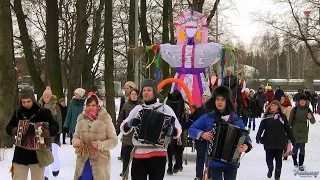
(198, 35)
(182, 35)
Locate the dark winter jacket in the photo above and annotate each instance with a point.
(21, 155)
(308, 95)
(253, 106)
(124, 112)
(276, 131)
(299, 123)
(64, 110)
(296, 96)
(231, 82)
(206, 123)
(195, 116)
(262, 98)
(278, 94)
(74, 110)
(123, 100)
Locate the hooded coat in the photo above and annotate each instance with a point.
(74, 110)
(103, 131)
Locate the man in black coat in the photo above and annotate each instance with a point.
(24, 159)
(64, 109)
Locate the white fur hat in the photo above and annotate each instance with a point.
(80, 91)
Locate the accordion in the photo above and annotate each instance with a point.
(225, 144)
(149, 132)
(29, 135)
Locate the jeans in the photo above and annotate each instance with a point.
(201, 147)
(297, 147)
(227, 173)
(274, 154)
(253, 120)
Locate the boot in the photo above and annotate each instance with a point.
(55, 173)
(277, 174)
(294, 158)
(269, 174)
(301, 159)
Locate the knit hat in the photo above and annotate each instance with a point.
(302, 96)
(131, 84)
(275, 102)
(47, 92)
(80, 91)
(27, 93)
(150, 83)
(206, 94)
(220, 91)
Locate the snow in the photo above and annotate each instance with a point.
(253, 166)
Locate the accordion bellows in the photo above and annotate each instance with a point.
(225, 145)
(149, 132)
(29, 135)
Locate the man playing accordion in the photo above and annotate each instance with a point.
(149, 160)
(28, 155)
(220, 109)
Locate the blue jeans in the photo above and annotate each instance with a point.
(201, 147)
(253, 120)
(297, 147)
(224, 173)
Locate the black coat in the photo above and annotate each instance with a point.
(253, 106)
(276, 131)
(21, 155)
(64, 111)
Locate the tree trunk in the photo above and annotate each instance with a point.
(53, 66)
(27, 48)
(8, 76)
(109, 61)
(165, 39)
(79, 56)
(87, 75)
(132, 40)
(145, 36)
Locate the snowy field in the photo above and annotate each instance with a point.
(253, 166)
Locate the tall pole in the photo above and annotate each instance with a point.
(136, 34)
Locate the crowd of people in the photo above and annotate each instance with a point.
(283, 129)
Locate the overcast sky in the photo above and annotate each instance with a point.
(243, 25)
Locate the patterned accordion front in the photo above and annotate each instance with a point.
(29, 135)
(149, 132)
(226, 141)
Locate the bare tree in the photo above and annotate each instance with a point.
(8, 77)
(52, 48)
(109, 61)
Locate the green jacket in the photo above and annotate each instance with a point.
(299, 123)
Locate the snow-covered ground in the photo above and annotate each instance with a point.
(253, 166)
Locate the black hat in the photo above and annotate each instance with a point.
(302, 96)
(26, 93)
(150, 83)
(220, 91)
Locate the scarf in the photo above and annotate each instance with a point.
(91, 116)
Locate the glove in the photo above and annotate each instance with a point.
(14, 131)
(134, 122)
(131, 123)
(45, 133)
(169, 130)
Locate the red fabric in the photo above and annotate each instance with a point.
(270, 96)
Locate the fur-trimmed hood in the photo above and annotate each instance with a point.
(53, 100)
(220, 91)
